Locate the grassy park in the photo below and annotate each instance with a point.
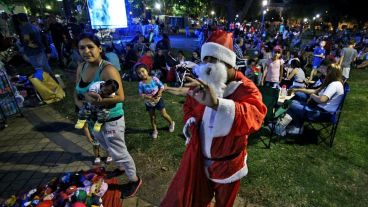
(290, 173)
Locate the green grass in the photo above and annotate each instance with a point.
(288, 174)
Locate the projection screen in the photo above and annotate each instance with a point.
(106, 14)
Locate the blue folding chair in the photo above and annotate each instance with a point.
(327, 128)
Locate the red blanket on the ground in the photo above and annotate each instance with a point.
(112, 195)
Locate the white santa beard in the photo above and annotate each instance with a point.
(215, 75)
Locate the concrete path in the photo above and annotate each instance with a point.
(43, 145)
(40, 146)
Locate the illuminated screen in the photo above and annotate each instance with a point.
(107, 14)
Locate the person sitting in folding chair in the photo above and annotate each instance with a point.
(315, 104)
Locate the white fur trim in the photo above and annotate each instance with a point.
(218, 51)
(216, 123)
(224, 117)
(231, 87)
(206, 131)
(235, 177)
(189, 122)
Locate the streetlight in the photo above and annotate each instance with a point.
(264, 4)
(157, 6)
(212, 12)
(317, 16)
(305, 20)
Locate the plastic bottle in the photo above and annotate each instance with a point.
(283, 92)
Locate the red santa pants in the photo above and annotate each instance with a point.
(225, 194)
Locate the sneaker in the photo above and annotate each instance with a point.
(80, 123)
(97, 127)
(295, 130)
(97, 161)
(172, 127)
(154, 134)
(108, 159)
(130, 189)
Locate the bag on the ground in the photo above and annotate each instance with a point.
(49, 90)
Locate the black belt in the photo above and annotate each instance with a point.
(111, 119)
(226, 158)
(114, 118)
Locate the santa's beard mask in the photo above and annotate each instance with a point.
(215, 75)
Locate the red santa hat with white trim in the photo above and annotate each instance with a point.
(220, 45)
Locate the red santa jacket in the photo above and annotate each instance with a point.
(217, 147)
(224, 132)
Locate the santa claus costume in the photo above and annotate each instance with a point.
(215, 157)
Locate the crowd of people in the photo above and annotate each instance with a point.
(223, 104)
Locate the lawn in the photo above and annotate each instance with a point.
(288, 174)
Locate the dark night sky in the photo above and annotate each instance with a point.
(350, 8)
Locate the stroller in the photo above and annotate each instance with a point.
(183, 69)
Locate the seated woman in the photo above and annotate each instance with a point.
(297, 75)
(314, 103)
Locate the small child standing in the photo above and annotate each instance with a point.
(150, 89)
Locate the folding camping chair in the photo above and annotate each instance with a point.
(9, 97)
(182, 70)
(270, 97)
(327, 128)
(240, 63)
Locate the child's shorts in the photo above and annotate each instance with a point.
(159, 106)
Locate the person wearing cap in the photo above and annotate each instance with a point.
(221, 110)
(273, 71)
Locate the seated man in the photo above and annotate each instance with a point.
(314, 103)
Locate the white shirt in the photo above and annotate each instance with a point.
(96, 87)
(334, 91)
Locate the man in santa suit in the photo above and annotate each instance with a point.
(222, 108)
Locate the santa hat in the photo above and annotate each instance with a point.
(220, 45)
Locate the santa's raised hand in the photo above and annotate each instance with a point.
(202, 92)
